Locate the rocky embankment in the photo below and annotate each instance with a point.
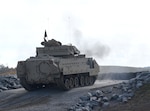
(104, 97)
(8, 82)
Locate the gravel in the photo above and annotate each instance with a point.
(120, 93)
(8, 82)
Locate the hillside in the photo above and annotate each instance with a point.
(120, 69)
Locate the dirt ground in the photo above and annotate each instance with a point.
(140, 102)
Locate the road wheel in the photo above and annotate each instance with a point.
(82, 80)
(91, 80)
(66, 84)
(76, 82)
(71, 82)
(87, 80)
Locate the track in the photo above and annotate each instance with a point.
(48, 99)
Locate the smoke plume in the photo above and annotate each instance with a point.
(90, 47)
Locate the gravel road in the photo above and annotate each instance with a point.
(48, 99)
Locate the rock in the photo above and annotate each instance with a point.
(3, 88)
(129, 91)
(82, 103)
(93, 98)
(117, 86)
(87, 108)
(124, 99)
(97, 93)
(139, 84)
(17, 86)
(85, 98)
(90, 94)
(142, 75)
(147, 80)
(99, 100)
(90, 105)
(105, 99)
(125, 89)
(119, 98)
(114, 97)
(94, 103)
(125, 82)
(131, 94)
(71, 109)
(9, 82)
(109, 90)
(129, 98)
(78, 109)
(132, 81)
(105, 104)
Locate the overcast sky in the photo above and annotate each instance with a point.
(114, 32)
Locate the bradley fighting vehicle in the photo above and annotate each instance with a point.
(58, 64)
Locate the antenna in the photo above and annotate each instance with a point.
(45, 35)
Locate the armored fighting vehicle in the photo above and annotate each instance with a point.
(57, 64)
